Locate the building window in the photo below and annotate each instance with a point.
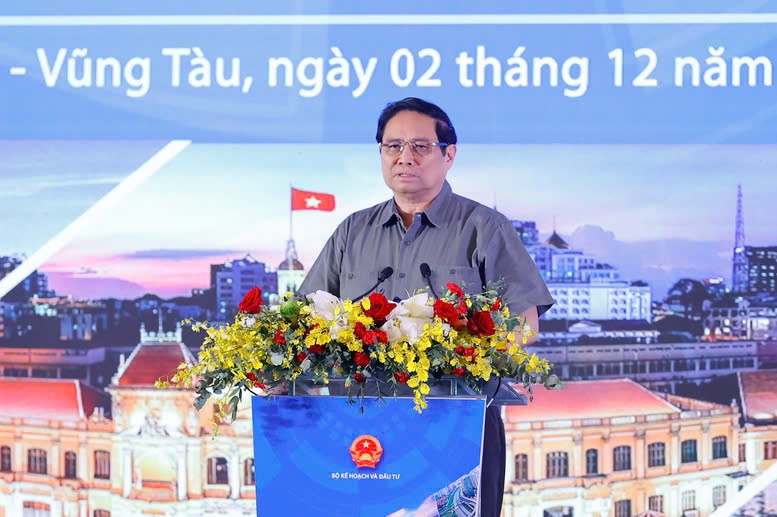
(742, 454)
(70, 465)
(719, 450)
(718, 496)
(558, 464)
(36, 461)
(102, 465)
(621, 458)
(521, 467)
(770, 450)
(591, 461)
(623, 508)
(688, 451)
(249, 475)
(217, 471)
(102, 513)
(656, 503)
(688, 500)
(5, 459)
(656, 454)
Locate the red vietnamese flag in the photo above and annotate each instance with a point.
(304, 200)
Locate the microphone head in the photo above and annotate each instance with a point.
(385, 273)
(426, 271)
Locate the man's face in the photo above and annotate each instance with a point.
(410, 174)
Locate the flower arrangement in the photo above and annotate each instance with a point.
(320, 335)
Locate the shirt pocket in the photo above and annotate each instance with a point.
(354, 283)
(468, 278)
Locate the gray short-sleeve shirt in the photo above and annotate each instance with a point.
(461, 240)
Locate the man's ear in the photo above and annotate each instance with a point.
(450, 155)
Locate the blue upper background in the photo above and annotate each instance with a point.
(488, 114)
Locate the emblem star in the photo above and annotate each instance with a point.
(312, 202)
(366, 444)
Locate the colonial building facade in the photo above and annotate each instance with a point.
(616, 449)
(68, 450)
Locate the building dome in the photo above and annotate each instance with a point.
(291, 265)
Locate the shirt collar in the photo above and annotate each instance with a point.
(435, 214)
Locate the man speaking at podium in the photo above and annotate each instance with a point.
(427, 235)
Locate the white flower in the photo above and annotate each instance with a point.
(305, 365)
(408, 319)
(249, 322)
(276, 358)
(324, 304)
(391, 328)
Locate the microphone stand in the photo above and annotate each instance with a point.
(382, 277)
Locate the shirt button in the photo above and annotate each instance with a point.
(401, 275)
(453, 271)
(407, 243)
(350, 276)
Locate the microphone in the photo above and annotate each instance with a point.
(426, 273)
(384, 274)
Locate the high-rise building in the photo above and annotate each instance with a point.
(761, 269)
(528, 231)
(235, 278)
(36, 283)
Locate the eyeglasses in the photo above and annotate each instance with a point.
(419, 148)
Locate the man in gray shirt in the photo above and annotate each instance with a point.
(458, 239)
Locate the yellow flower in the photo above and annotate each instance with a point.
(424, 388)
(413, 382)
(366, 303)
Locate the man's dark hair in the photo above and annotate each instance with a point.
(443, 126)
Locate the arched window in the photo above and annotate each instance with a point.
(521, 467)
(5, 459)
(102, 465)
(719, 449)
(70, 465)
(36, 461)
(218, 472)
(591, 461)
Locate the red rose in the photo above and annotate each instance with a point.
(402, 377)
(469, 351)
(252, 301)
(497, 305)
(369, 337)
(361, 359)
(380, 307)
(359, 377)
(259, 385)
(359, 330)
(458, 372)
(481, 324)
(460, 350)
(382, 336)
(280, 338)
(316, 349)
(446, 311)
(462, 307)
(301, 356)
(252, 376)
(455, 289)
